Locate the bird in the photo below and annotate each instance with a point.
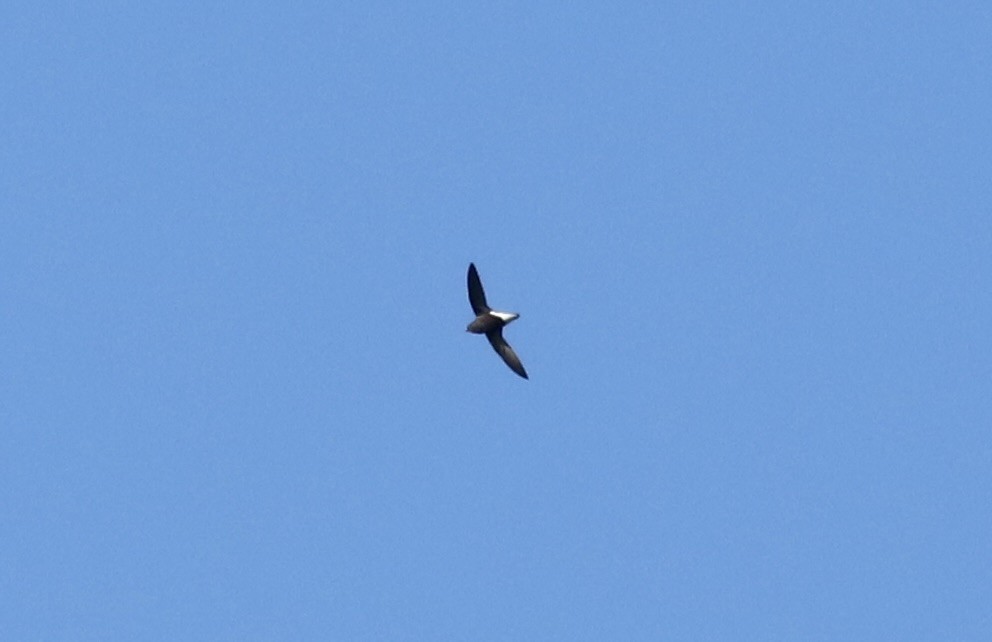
(491, 323)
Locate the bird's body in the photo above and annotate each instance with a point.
(491, 322)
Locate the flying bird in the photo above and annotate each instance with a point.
(490, 322)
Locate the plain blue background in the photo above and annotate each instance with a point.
(751, 244)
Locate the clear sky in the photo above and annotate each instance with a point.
(751, 246)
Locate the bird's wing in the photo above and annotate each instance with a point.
(504, 350)
(476, 295)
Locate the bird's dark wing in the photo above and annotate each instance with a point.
(476, 295)
(504, 350)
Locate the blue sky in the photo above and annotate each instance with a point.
(751, 246)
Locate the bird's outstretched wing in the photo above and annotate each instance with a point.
(504, 350)
(476, 295)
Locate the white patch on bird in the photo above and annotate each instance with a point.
(505, 316)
